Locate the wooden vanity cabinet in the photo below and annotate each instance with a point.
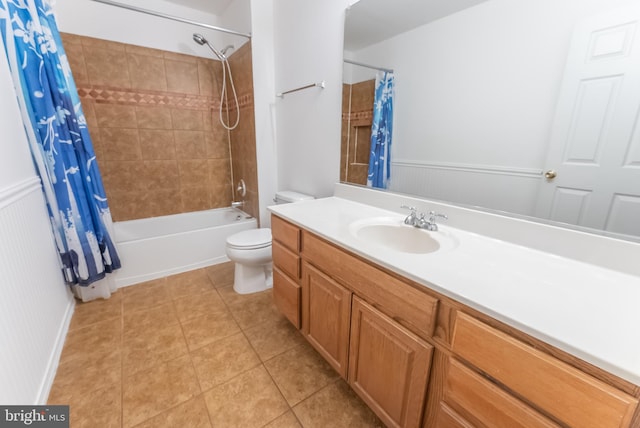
(557, 389)
(285, 248)
(490, 378)
(367, 324)
(395, 342)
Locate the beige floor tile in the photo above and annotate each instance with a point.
(257, 310)
(300, 372)
(222, 274)
(145, 295)
(336, 406)
(273, 338)
(223, 360)
(155, 390)
(248, 400)
(162, 315)
(190, 283)
(89, 343)
(197, 305)
(148, 346)
(95, 311)
(75, 379)
(207, 329)
(98, 408)
(190, 414)
(231, 298)
(288, 420)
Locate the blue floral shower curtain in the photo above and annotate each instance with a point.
(381, 132)
(59, 140)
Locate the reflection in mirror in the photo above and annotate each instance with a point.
(528, 108)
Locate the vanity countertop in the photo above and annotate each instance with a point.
(583, 309)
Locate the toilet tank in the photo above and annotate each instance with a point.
(287, 196)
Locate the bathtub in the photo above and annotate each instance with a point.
(155, 247)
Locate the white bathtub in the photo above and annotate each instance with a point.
(159, 246)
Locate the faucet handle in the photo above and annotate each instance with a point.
(411, 218)
(433, 215)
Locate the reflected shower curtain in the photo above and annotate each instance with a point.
(60, 143)
(381, 132)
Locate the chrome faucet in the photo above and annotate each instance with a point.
(431, 223)
(420, 221)
(411, 218)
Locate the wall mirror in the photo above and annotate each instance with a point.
(526, 108)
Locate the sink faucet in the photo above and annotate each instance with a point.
(411, 218)
(421, 222)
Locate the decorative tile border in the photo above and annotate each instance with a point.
(358, 115)
(111, 95)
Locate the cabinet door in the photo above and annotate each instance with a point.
(388, 366)
(286, 296)
(326, 315)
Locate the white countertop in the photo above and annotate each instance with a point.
(586, 310)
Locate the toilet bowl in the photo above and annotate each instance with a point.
(251, 252)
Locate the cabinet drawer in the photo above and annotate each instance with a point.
(286, 233)
(286, 296)
(448, 418)
(285, 260)
(485, 404)
(563, 391)
(408, 306)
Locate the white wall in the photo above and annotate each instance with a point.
(264, 101)
(36, 305)
(308, 43)
(88, 18)
(479, 88)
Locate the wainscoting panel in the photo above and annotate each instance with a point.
(506, 189)
(35, 304)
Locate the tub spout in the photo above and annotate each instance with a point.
(237, 204)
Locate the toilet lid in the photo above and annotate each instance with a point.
(250, 239)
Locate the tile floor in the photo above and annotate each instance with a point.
(187, 351)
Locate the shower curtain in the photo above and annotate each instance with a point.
(60, 145)
(381, 131)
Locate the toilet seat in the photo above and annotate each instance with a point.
(250, 239)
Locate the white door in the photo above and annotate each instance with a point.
(595, 140)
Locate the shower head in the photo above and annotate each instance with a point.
(199, 39)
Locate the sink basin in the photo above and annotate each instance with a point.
(393, 234)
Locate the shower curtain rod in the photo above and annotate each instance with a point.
(361, 64)
(174, 18)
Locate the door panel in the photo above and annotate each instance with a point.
(595, 142)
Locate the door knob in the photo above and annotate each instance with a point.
(550, 175)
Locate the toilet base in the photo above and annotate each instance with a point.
(252, 279)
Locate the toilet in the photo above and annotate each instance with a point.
(250, 250)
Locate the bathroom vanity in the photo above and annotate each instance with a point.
(421, 349)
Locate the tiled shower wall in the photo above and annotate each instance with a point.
(153, 119)
(357, 115)
(243, 146)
